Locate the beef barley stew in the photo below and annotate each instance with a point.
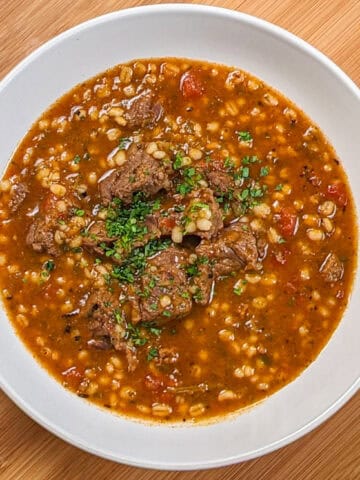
(177, 240)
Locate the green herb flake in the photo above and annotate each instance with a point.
(79, 213)
(279, 187)
(166, 313)
(153, 352)
(244, 137)
(49, 265)
(177, 163)
(229, 163)
(247, 160)
(77, 159)
(238, 291)
(124, 142)
(118, 317)
(264, 171)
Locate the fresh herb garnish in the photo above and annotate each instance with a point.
(191, 179)
(238, 290)
(244, 137)
(177, 163)
(49, 265)
(153, 352)
(134, 264)
(124, 142)
(79, 213)
(127, 224)
(133, 333)
(264, 171)
(279, 187)
(248, 159)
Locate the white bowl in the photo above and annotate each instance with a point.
(283, 61)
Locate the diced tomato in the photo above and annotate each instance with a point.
(191, 85)
(287, 222)
(72, 376)
(337, 192)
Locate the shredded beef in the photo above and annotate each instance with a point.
(140, 172)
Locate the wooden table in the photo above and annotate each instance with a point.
(332, 451)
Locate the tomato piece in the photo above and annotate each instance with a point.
(72, 376)
(287, 222)
(191, 85)
(337, 192)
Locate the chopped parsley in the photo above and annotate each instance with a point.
(134, 265)
(124, 142)
(79, 213)
(152, 328)
(198, 295)
(264, 171)
(166, 313)
(279, 187)
(195, 206)
(177, 163)
(49, 265)
(133, 333)
(238, 290)
(192, 270)
(191, 179)
(77, 159)
(248, 159)
(127, 223)
(244, 136)
(229, 163)
(153, 352)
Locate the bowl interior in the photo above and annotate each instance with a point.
(284, 62)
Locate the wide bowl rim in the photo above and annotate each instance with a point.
(271, 29)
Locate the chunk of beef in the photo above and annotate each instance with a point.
(189, 213)
(234, 248)
(220, 182)
(165, 287)
(18, 194)
(332, 269)
(203, 284)
(140, 172)
(143, 110)
(103, 311)
(41, 237)
(96, 238)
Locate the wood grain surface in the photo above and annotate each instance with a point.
(332, 451)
